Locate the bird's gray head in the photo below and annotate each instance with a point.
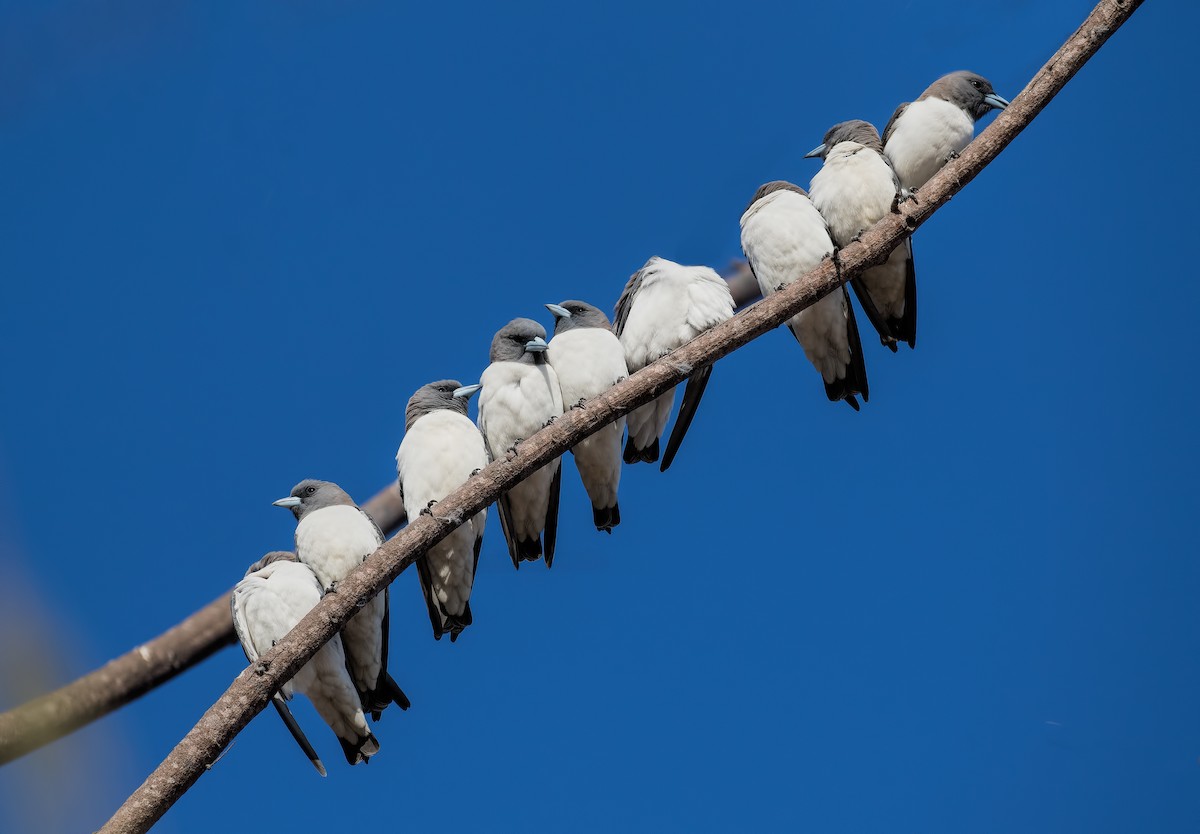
(311, 494)
(855, 130)
(433, 397)
(572, 314)
(271, 558)
(973, 93)
(772, 187)
(521, 340)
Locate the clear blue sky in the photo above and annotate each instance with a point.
(238, 236)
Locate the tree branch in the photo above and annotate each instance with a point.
(252, 689)
(53, 715)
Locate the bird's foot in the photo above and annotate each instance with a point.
(511, 451)
(549, 423)
(475, 472)
(428, 509)
(262, 667)
(858, 237)
(837, 263)
(580, 404)
(904, 195)
(332, 589)
(951, 155)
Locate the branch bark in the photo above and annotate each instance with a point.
(251, 690)
(116, 683)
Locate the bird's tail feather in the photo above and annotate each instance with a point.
(289, 721)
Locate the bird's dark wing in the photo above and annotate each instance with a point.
(425, 578)
(692, 393)
(289, 721)
(625, 302)
(887, 129)
(855, 381)
(505, 513)
(873, 315)
(906, 327)
(550, 533)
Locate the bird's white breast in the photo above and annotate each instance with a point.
(588, 361)
(923, 138)
(516, 400)
(853, 190)
(437, 455)
(783, 236)
(335, 540)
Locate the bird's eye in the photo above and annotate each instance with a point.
(975, 84)
(310, 490)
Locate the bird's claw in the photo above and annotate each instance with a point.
(262, 667)
(549, 422)
(511, 451)
(580, 404)
(951, 155)
(332, 589)
(837, 262)
(475, 472)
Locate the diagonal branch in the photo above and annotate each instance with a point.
(252, 689)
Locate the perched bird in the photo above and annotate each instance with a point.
(588, 359)
(333, 536)
(275, 595)
(665, 305)
(924, 135)
(854, 189)
(783, 237)
(440, 450)
(520, 395)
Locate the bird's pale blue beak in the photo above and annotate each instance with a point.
(995, 101)
(559, 311)
(287, 503)
(467, 391)
(820, 150)
(536, 345)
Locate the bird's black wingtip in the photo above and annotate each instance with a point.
(606, 518)
(397, 694)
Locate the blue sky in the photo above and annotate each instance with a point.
(238, 236)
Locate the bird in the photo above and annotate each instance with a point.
(334, 536)
(665, 305)
(854, 189)
(440, 450)
(588, 359)
(275, 594)
(783, 237)
(520, 394)
(925, 134)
